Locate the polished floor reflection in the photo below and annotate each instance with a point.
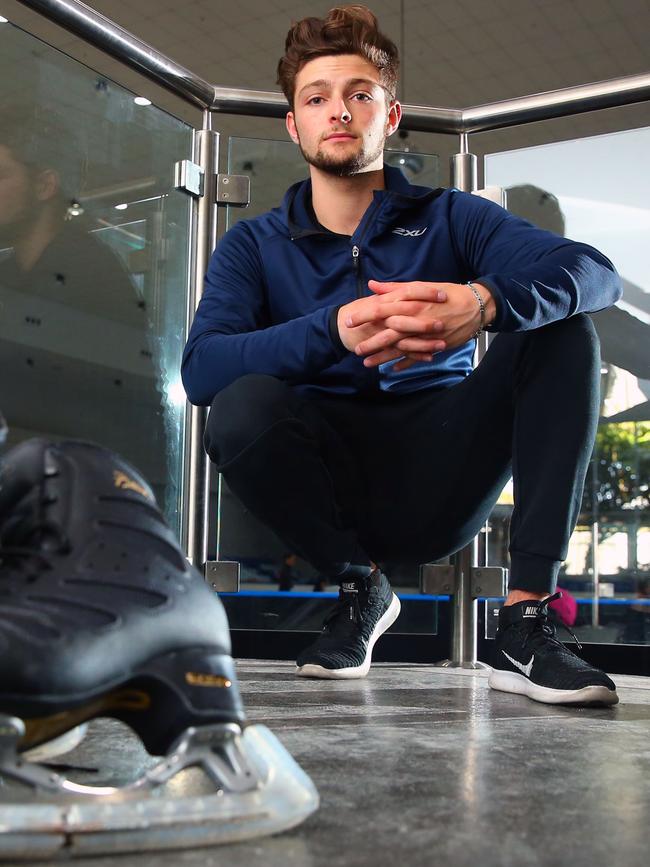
(425, 766)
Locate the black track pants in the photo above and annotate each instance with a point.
(348, 479)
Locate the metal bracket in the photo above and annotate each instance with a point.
(437, 580)
(223, 575)
(498, 195)
(234, 190)
(441, 580)
(489, 581)
(188, 177)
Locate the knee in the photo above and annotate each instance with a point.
(582, 326)
(572, 341)
(580, 341)
(242, 412)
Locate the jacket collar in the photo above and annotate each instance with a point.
(299, 215)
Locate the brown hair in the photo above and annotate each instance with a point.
(345, 30)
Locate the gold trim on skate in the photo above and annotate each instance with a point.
(42, 729)
(123, 481)
(198, 679)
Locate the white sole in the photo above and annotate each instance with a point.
(509, 681)
(387, 619)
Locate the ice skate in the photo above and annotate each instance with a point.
(101, 616)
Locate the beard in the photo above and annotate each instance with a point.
(343, 166)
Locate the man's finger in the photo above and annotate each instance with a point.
(382, 288)
(391, 354)
(417, 344)
(415, 290)
(377, 312)
(378, 358)
(414, 325)
(378, 341)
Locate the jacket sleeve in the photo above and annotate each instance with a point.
(231, 335)
(535, 276)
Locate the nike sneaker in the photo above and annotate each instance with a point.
(365, 609)
(529, 660)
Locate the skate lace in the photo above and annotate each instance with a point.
(22, 556)
(542, 623)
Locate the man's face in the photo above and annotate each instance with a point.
(342, 115)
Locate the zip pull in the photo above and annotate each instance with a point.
(355, 256)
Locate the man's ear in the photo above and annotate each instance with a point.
(290, 122)
(47, 185)
(394, 117)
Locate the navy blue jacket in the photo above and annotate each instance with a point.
(275, 283)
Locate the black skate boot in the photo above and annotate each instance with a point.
(101, 615)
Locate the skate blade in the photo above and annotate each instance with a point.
(57, 746)
(256, 788)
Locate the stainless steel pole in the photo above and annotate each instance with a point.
(196, 476)
(109, 37)
(595, 601)
(464, 610)
(595, 537)
(114, 40)
(464, 607)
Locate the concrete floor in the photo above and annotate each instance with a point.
(427, 766)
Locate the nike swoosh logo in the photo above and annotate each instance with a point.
(524, 668)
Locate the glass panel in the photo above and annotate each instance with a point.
(93, 262)
(596, 190)
(305, 611)
(274, 165)
(265, 563)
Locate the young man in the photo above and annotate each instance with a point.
(334, 344)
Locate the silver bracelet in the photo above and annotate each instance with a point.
(481, 306)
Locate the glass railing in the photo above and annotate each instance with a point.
(94, 251)
(595, 190)
(273, 165)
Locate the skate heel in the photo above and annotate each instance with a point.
(193, 687)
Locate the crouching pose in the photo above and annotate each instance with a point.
(334, 344)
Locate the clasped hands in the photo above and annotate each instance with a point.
(411, 321)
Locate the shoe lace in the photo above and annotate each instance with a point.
(348, 609)
(347, 604)
(546, 625)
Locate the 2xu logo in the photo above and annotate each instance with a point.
(410, 233)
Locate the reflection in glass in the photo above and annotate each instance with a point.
(93, 262)
(608, 566)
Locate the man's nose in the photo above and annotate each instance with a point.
(340, 111)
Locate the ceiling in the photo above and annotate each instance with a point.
(455, 53)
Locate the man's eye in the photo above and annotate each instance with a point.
(315, 100)
(362, 97)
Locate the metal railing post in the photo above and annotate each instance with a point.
(196, 475)
(464, 606)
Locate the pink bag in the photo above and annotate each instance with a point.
(566, 608)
